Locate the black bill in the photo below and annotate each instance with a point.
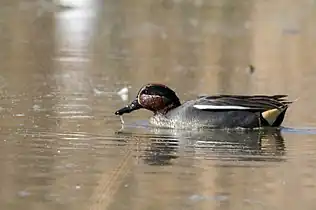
(129, 108)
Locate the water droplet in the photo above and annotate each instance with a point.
(122, 120)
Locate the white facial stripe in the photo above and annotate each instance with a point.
(214, 107)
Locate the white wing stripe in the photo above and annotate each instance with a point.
(220, 107)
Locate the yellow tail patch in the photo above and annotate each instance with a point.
(271, 115)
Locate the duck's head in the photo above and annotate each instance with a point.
(153, 97)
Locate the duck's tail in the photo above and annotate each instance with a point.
(274, 117)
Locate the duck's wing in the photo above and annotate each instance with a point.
(254, 103)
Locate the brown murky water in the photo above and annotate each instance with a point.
(62, 65)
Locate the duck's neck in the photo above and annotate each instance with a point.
(169, 107)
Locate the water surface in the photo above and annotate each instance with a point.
(61, 67)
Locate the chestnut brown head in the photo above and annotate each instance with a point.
(154, 97)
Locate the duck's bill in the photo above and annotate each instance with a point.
(129, 108)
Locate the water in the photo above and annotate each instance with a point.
(61, 66)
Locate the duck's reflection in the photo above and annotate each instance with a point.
(164, 145)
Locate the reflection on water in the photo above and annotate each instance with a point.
(163, 145)
(63, 62)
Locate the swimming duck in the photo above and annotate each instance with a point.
(218, 111)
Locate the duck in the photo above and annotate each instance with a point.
(216, 111)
